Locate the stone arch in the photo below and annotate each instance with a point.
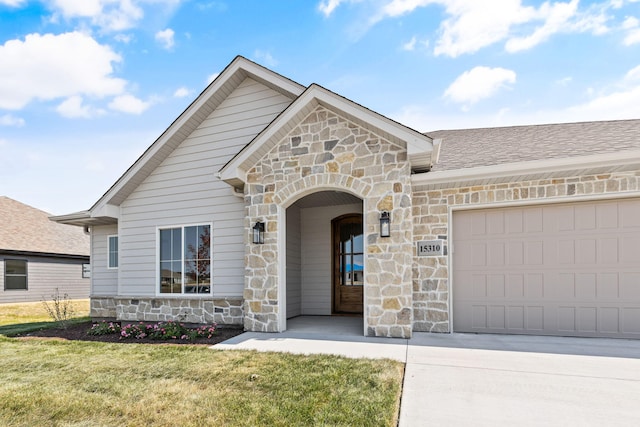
(311, 184)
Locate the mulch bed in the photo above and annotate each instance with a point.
(78, 332)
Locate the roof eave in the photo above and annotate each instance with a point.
(529, 170)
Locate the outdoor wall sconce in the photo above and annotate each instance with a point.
(385, 224)
(258, 233)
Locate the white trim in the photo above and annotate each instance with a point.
(515, 203)
(548, 201)
(281, 213)
(109, 267)
(182, 294)
(418, 146)
(458, 177)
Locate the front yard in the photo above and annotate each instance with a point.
(51, 382)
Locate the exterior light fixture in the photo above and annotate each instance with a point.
(258, 233)
(385, 224)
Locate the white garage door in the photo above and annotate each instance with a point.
(557, 269)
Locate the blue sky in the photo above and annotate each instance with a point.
(87, 85)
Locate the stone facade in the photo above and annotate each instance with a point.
(201, 311)
(328, 152)
(431, 286)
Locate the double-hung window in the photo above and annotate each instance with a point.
(185, 260)
(113, 252)
(15, 275)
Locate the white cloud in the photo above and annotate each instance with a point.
(212, 77)
(632, 26)
(620, 103)
(328, 6)
(11, 120)
(473, 25)
(74, 108)
(12, 3)
(410, 45)
(477, 84)
(556, 17)
(265, 58)
(564, 81)
(165, 37)
(48, 67)
(128, 103)
(181, 92)
(109, 15)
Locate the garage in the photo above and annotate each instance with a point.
(567, 269)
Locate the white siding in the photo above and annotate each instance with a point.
(104, 281)
(44, 275)
(294, 265)
(184, 190)
(316, 256)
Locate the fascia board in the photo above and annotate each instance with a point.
(515, 170)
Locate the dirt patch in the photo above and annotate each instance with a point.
(79, 332)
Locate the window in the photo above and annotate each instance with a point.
(113, 252)
(185, 260)
(15, 274)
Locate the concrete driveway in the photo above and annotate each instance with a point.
(482, 380)
(489, 380)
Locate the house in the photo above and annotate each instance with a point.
(267, 200)
(38, 255)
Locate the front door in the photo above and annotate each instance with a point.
(348, 264)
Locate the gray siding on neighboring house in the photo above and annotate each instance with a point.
(44, 275)
(316, 256)
(183, 190)
(104, 280)
(294, 263)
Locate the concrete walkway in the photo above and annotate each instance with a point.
(482, 380)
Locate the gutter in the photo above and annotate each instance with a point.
(542, 168)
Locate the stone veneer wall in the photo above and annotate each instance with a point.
(227, 311)
(327, 152)
(430, 213)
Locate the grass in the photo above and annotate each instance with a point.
(50, 383)
(26, 317)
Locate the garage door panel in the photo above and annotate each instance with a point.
(564, 269)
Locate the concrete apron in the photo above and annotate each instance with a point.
(457, 379)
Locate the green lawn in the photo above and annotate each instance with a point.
(51, 383)
(30, 316)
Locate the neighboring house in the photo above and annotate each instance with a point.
(527, 230)
(38, 255)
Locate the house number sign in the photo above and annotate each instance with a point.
(430, 248)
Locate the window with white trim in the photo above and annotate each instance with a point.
(113, 251)
(185, 260)
(15, 275)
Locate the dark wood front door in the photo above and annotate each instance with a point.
(348, 264)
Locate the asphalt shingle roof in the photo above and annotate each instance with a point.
(24, 228)
(469, 148)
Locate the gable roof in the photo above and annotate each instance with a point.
(419, 146)
(469, 148)
(228, 80)
(27, 229)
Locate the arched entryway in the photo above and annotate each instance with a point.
(312, 251)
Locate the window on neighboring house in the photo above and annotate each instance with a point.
(185, 260)
(113, 252)
(15, 274)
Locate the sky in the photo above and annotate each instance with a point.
(87, 85)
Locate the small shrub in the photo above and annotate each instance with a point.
(60, 309)
(170, 330)
(104, 328)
